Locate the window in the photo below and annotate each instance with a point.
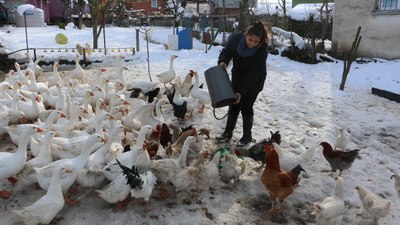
(388, 5)
(154, 4)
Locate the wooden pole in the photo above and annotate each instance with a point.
(137, 39)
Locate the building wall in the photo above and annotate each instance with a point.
(380, 31)
(146, 5)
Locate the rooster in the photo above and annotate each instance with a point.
(186, 85)
(339, 160)
(140, 178)
(374, 207)
(331, 209)
(279, 183)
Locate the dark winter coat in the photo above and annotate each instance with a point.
(248, 73)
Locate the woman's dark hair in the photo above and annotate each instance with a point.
(258, 30)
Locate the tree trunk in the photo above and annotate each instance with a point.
(244, 14)
(351, 56)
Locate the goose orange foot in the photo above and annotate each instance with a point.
(5, 194)
(12, 180)
(122, 205)
(70, 201)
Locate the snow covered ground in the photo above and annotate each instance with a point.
(301, 101)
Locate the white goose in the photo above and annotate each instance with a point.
(66, 127)
(13, 163)
(4, 88)
(154, 120)
(46, 208)
(119, 74)
(44, 156)
(32, 108)
(15, 131)
(168, 76)
(49, 100)
(34, 66)
(134, 119)
(76, 164)
(55, 77)
(34, 86)
(77, 73)
(92, 176)
(200, 94)
(99, 76)
(20, 75)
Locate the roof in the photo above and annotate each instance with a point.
(302, 12)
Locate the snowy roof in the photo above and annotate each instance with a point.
(191, 9)
(270, 7)
(302, 12)
(27, 7)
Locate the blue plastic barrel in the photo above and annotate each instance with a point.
(185, 39)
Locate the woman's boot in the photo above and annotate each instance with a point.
(247, 126)
(230, 126)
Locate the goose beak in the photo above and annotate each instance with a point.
(103, 69)
(103, 140)
(126, 103)
(85, 111)
(39, 129)
(62, 115)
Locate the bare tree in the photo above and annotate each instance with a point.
(244, 15)
(99, 11)
(176, 8)
(79, 5)
(324, 18)
(282, 4)
(145, 31)
(65, 6)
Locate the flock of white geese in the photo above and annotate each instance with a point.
(69, 132)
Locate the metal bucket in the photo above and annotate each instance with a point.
(219, 87)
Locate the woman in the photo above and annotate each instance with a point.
(248, 52)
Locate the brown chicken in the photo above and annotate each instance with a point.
(165, 136)
(153, 141)
(279, 183)
(339, 160)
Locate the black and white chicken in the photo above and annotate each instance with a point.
(256, 151)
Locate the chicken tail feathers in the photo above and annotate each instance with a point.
(297, 170)
(275, 137)
(352, 155)
(132, 176)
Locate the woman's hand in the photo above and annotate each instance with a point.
(238, 96)
(222, 64)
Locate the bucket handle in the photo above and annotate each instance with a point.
(219, 118)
